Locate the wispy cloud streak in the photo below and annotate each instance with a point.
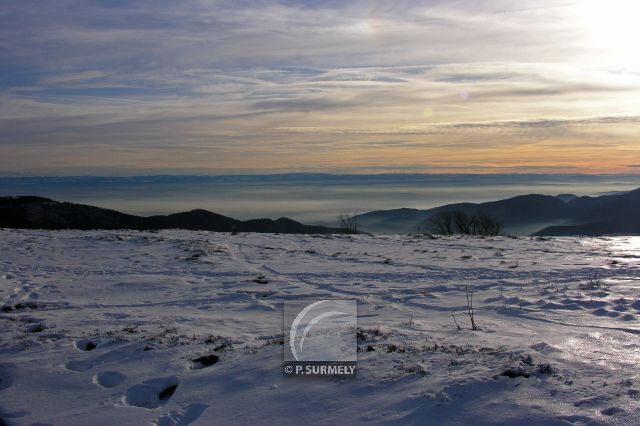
(288, 85)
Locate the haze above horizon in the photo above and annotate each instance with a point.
(313, 198)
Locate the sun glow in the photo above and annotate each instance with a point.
(613, 28)
(363, 27)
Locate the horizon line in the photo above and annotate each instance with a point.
(331, 174)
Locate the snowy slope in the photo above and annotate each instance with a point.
(104, 328)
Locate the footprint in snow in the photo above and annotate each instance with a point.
(85, 345)
(5, 376)
(16, 414)
(181, 417)
(612, 411)
(116, 315)
(204, 361)
(151, 393)
(36, 327)
(109, 379)
(78, 366)
(261, 279)
(19, 306)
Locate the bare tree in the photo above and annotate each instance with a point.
(442, 223)
(487, 225)
(460, 222)
(349, 223)
(463, 223)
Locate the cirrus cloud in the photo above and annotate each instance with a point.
(319, 85)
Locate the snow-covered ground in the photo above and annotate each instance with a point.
(104, 328)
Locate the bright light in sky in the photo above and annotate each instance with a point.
(487, 86)
(613, 26)
(363, 27)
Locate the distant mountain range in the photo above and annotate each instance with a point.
(564, 214)
(42, 213)
(534, 214)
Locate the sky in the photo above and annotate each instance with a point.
(208, 86)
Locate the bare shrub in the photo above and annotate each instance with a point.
(470, 310)
(349, 223)
(487, 225)
(463, 223)
(442, 223)
(459, 222)
(456, 322)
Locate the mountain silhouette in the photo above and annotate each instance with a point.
(604, 215)
(536, 214)
(42, 213)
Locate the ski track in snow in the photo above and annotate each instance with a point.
(119, 327)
